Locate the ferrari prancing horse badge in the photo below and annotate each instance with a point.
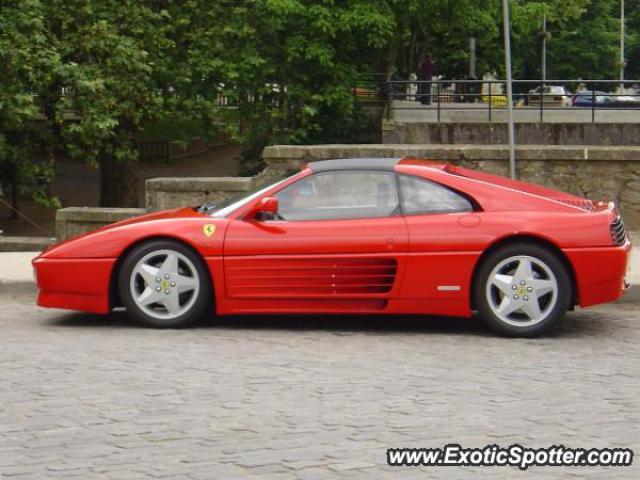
(209, 229)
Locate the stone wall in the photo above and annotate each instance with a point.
(423, 133)
(595, 172)
(74, 221)
(173, 192)
(161, 194)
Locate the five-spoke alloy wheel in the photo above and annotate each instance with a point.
(522, 290)
(163, 283)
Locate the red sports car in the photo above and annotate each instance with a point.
(367, 236)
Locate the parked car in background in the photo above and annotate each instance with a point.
(597, 99)
(551, 95)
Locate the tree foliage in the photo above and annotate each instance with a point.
(582, 41)
(442, 28)
(26, 60)
(112, 66)
(86, 77)
(294, 73)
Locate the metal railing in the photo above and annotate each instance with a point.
(484, 97)
(487, 97)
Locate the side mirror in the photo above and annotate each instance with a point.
(265, 208)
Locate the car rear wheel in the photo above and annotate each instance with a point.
(164, 284)
(523, 290)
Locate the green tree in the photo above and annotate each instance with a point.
(589, 46)
(112, 65)
(632, 38)
(26, 59)
(287, 67)
(443, 28)
(267, 71)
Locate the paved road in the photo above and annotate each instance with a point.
(91, 397)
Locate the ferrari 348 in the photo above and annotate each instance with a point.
(354, 236)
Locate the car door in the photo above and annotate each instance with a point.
(443, 245)
(338, 244)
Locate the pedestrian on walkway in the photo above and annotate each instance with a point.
(427, 71)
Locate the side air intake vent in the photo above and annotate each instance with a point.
(311, 277)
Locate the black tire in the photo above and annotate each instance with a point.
(553, 317)
(200, 306)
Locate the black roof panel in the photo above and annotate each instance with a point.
(354, 164)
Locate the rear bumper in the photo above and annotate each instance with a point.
(600, 273)
(74, 284)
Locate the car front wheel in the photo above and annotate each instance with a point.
(164, 284)
(523, 290)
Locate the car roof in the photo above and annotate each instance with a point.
(354, 164)
(373, 163)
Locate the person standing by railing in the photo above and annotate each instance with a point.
(427, 71)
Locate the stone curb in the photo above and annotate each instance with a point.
(24, 244)
(18, 287)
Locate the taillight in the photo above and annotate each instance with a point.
(618, 234)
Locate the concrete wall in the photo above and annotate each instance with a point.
(595, 172)
(496, 133)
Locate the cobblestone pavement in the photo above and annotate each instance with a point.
(96, 397)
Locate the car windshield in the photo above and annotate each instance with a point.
(225, 207)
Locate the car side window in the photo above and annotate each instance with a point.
(424, 196)
(340, 195)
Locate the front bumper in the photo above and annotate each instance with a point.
(74, 283)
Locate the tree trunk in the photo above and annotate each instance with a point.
(10, 174)
(51, 99)
(118, 182)
(14, 193)
(413, 62)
